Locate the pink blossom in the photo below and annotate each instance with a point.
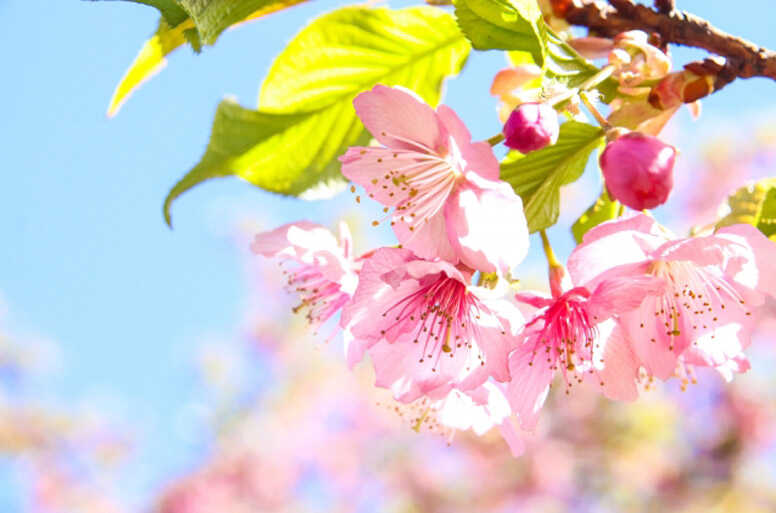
(445, 191)
(713, 284)
(572, 333)
(425, 328)
(324, 271)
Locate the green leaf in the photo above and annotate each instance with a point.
(306, 117)
(518, 26)
(538, 176)
(565, 65)
(754, 204)
(502, 25)
(214, 16)
(149, 61)
(152, 57)
(604, 209)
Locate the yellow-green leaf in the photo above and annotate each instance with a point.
(168, 38)
(604, 209)
(538, 176)
(306, 118)
(754, 204)
(149, 61)
(503, 25)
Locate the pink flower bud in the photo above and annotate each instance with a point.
(531, 126)
(639, 170)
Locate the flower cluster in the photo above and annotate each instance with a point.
(635, 303)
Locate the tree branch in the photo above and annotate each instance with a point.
(743, 59)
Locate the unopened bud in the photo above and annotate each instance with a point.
(680, 87)
(639, 170)
(531, 126)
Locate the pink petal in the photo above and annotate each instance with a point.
(612, 244)
(496, 348)
(717, 348)
(535, 299)
(639, 223)
(420, 268)
(486, 225)
(620, 368)
(529, 385)
(369, 167)
(479, 409)
(750, 260)
(398, 367)
(621, 294)
(364, 307)
(429, 240)
(479, 156)
(398, 119)
(345, 240)
(647, 335)
(294, 240)
(307, 243)
(513, 439)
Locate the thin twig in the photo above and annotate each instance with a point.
(743, 59)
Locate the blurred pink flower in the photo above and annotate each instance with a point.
(239, 483)
(426, 329)
(712, 283)
(445, 191)
(325, 274)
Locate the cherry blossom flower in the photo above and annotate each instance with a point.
(713, 285)
(324, 274)
(572, 333)
(425, 328)
(445, 191)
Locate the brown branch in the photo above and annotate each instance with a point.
(743, 59)
(665, 6)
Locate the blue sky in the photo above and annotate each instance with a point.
(86, 259)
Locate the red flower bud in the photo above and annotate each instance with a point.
(531, 126)
(639, 170)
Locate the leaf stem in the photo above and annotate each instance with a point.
(596, 79)
(597, 115)
(588, 84)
